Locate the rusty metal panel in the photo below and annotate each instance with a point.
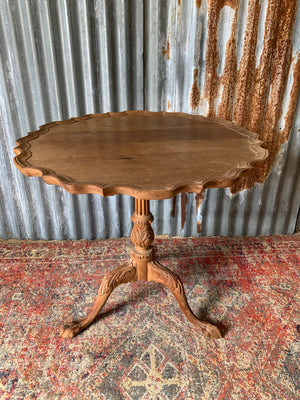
(236, 60)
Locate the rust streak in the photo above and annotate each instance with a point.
(281, 58)
(199, 227)
(284, 134)
(228, 79)
(246, 70)
(199, 199)
(169, 105)
(212, 79)
(167, 50)
(198, 3)
(212, 55)
(263, 71)
(184, 199)
(230, 3)
(281, 64)
(195, 93)
(245, 80)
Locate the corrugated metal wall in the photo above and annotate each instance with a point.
(234, 59)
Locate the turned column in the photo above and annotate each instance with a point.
(142, 236)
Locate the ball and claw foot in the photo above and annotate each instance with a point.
(211, 331)
(70, 330)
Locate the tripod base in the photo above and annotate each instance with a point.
(141, 266)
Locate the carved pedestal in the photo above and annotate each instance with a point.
(141, 266)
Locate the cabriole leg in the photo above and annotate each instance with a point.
(125, 273)
(159, 273)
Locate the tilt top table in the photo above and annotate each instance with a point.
(150, 156)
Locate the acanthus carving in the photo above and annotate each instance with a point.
(163, 275)
(142, 234)
(125, 273)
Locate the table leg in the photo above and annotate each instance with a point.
(124, 274)
(159, 273)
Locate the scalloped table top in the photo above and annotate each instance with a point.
(148, 155)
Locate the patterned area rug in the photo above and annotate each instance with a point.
(141, 346)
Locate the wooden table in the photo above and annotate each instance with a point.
(146, 155)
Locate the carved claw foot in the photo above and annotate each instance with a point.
(159, 273)
(71, 330)
(125, 273)
(210, 330)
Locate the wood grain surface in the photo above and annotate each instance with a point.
(148, 155)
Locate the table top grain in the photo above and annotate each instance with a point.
(149, 155)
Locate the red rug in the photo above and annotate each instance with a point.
(142, 347)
